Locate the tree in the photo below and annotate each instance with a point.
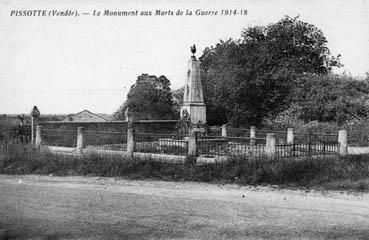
(177, 98)
(149, 98)
(251, 78)
(220, 67)
(333, 98)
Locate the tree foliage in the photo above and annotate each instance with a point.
(150, 98)
(339, 99)
(333, 98)
(178, 98)
(254, 77)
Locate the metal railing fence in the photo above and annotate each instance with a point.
(161, 143)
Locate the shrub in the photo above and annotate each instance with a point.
(358, 133)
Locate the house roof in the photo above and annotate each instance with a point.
(95, 116)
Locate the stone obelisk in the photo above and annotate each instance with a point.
(193, 100)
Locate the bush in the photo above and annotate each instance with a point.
(318, 128)
(358, 133)
(290, 119)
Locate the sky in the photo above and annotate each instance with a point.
(66, 64)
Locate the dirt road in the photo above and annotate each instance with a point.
(43, 207)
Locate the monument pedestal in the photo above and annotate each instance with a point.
(196, 111)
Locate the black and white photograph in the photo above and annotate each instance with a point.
(198, 119)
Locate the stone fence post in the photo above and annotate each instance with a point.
(38, 136)
(270, 148)
(80, 140)
(224, 130)
(290, 136)
(192, 145)
(342, 140)
(130, 138)
(252, 135)
(35, 115)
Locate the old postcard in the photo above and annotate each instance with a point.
(158, 119)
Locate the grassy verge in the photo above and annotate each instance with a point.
(336, 173)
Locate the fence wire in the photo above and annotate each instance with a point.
(211, 144)
(214, 131)
(102, 140)
(231, 146)
(311, 148)
(59, 138)
(238, 132)
(161, 143)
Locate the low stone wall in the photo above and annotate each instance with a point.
(136, 155)
(357, 150)
(114, 126)
(156, 126)
(142, 126)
